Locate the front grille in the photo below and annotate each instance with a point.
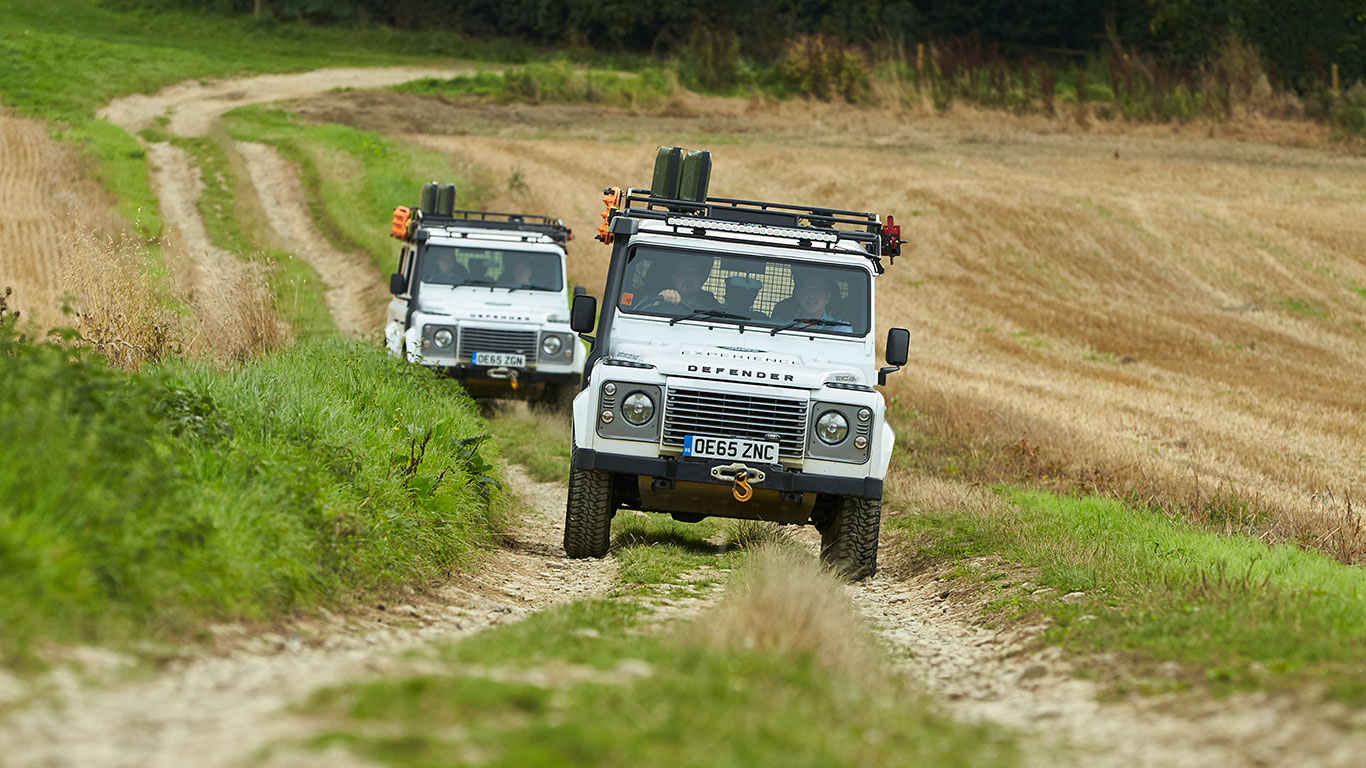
(495, 340)
(728, 414)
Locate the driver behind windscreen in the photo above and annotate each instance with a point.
(684, 287)
(810, 301)
(516, 272)
(446, 269)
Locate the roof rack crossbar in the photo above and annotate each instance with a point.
(821, 223)
(830, 217)
(520, 222)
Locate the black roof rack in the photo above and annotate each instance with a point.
(519, 222)
(807, 226)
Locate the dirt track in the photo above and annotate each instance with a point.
(355, 289)
(355, 294)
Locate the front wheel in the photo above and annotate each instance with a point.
(588, 513)
(849, 543)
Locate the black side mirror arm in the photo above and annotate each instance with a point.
(883, 373)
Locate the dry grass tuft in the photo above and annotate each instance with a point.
(786, 605)
(238, 319)
(120, 311)
(129, 315)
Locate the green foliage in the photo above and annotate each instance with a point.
(1232, 611)
(825, 68)
(135, 505)
(711, 61)
(556, 83)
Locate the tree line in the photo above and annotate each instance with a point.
(1298, 41)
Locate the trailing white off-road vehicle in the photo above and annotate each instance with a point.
(481, 296)
(733, 368)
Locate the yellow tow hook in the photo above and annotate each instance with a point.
(742, 491)
(512, 377)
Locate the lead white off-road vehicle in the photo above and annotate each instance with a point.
(481, 297)
(733, 368)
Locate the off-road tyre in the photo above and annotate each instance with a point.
(849, 542)
(588, 513)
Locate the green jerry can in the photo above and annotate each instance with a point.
(681, 174)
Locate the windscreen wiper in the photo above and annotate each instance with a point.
(526, 287)
(808, 321)
(709, 313)
(477, 281)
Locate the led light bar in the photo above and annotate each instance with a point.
(752, 229)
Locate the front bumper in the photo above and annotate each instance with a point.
(466, 371)
(699, 471)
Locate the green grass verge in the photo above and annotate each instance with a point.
(535, 437)
(353, 179)
(648, 699)
(1232, 612)
(140, 505)
(555, 83)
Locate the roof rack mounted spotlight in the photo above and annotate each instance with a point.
(752, 229)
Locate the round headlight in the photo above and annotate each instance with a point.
(832, 427)
(443, 338)
(637, 408)
(551, 345)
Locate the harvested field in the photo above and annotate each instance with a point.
(1163, 314)
(44, 193)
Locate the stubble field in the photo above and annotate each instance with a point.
(1174, 315)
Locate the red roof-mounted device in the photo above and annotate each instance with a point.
(891, 239)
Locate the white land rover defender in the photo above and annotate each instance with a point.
(481, 297)
(733, 368)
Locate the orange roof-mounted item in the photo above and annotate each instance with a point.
(611, 197)
(399, 226)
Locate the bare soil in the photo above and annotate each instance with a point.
(223, 704)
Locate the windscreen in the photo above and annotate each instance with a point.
(746, 290)
(530, 270)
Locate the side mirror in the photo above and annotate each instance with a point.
(579, 290)
(898, 350)
(397, 284)
(583, 313)
(898, 346)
